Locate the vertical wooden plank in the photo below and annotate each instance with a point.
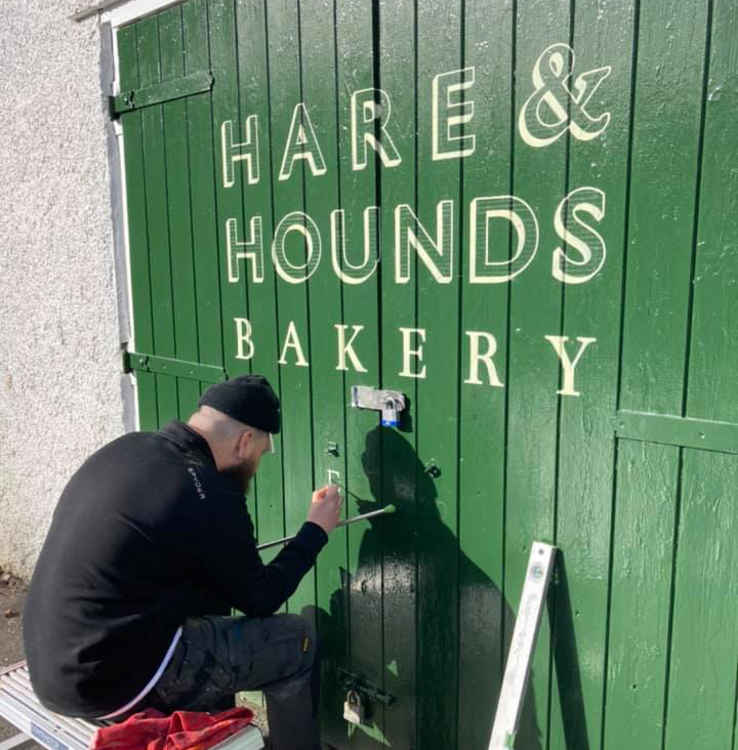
(671, 49)
(243, 243)
(137, 230)
(262, 313)
(661, 216)
(598, 179)
(643, 535)
(229, 199)
(201, 183)
(357, 192)
(403, 481)
(177, 165)
(292, 298)
(438, 54)
(328, 382)
(149, 55)
(539, 179)
(205, 235)
(714, 352)
(735, 715)
(704, 645)
(704, 649)
(488, 31)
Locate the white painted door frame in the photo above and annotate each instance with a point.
(118, 16)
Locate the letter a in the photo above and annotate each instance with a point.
(292, 341)
(302, 143)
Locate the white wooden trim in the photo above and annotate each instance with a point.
(133, 10)
(118, 130)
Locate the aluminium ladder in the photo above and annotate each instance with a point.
(20, 706)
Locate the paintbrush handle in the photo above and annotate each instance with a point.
(346, 522)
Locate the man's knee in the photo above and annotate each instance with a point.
(305, 636)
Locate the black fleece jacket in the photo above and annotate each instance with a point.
(145, 534)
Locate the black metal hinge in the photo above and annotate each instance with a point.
(166, 91)
(178, 368)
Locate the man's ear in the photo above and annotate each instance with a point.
(244, 442)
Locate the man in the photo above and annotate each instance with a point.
(149, 547)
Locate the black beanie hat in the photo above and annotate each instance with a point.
(248, 399)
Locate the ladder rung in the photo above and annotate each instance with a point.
(22, 708)
(42, 728)
(77, 727)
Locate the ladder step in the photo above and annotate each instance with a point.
(21, 707)
(24, 693)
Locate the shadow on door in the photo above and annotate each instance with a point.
(457, 660)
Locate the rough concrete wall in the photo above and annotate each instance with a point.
(60, 382)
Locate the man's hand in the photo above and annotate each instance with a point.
(325, 509)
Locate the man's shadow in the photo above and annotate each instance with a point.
(410, 568)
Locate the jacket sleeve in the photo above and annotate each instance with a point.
(226, 550)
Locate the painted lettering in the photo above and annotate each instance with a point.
(292, 341)
(482, 350)
(410, 233)
(580, 236)
(247, 151)
(251, 249)
(371, 108)
(554, 107)
(450, 111)
(567, 365)
(300, 222)
(302, 143)
(343, 267)
(483, 270)
(244, 343)
(408, 353)
(346, 348)
(491, 258)
(476, 356)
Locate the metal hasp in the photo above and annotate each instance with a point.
(358, 683)
(390, 403)
(517, 669)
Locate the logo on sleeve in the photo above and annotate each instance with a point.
(198, 484)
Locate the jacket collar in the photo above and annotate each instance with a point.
(189, 441)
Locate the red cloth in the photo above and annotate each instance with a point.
(182, 730)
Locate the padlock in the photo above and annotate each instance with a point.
(353, 708)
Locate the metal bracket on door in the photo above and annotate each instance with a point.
(178, 368)
(353, 681)
(390, 403)
(158, 93)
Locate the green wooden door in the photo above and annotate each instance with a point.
(524, 216)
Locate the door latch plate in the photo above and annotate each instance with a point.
(389, 403)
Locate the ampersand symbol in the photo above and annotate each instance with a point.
(553, 108)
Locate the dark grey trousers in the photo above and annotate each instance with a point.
(219, 656)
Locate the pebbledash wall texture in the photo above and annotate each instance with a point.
(60, 363)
